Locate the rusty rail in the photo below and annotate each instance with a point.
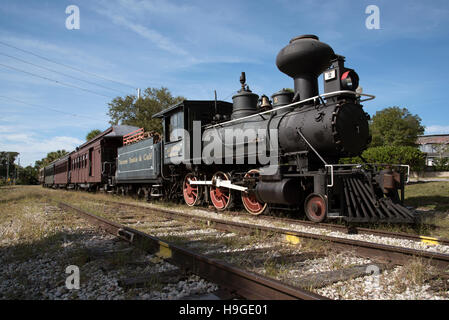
(240, 282)
(393, 254)
(360, 230)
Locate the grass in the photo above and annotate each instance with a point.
(414, 273)
(428, 196)
(315, 246)
(30, 224)
(32, 227)
(274, 269)
(29, 215)
(432, 199)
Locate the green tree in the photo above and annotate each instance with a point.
(395, 127)
(391, 155)
(441, 164)
(7, 166)
(139, 112)
(27, 175)
(92, 134)
(51, 156)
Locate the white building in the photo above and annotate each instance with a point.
(435, 146)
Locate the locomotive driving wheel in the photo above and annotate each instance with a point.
(192, 193)
(315, 207)
(249, 200)
(222, 198)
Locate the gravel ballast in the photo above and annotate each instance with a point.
(36, 268)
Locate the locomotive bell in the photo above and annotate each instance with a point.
(265, 103)
(304, 59)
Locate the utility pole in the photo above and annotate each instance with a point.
(17, 171)
(7, 170)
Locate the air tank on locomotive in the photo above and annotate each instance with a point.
(227, 142)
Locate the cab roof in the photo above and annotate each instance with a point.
(188, 104)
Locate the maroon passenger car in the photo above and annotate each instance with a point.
(62, 171)
(92, 164)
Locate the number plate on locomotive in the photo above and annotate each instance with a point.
(329, 75)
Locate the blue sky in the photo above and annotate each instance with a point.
(194, 47)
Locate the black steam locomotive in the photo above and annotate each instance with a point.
(280, 154)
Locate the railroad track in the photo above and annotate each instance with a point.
(349, 229)
(238, 281)
(384, 258)
(387, 253)
(344, 228)
(353, 229)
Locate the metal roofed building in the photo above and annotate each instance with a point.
(435, 146)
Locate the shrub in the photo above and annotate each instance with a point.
(391, 155)
(441, 164)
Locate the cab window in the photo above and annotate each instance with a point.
(175, 126)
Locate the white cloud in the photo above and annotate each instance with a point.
(157, 6)
(31, 146)
(61, 52)
(157, 38)
(71, 55)
(16, 137)
(437, 129)
(206, 33)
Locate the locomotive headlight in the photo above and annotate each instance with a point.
(349, 80)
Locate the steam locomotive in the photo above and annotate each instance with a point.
(262, 154)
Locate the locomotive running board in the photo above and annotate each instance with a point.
(219, 184)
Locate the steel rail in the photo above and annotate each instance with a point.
(240, 282)
(360, 230)
(394, 254)
(348, 229)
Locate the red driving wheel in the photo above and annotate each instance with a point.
(315, 207)
(249, 200)
(221, 197)
(192, 193)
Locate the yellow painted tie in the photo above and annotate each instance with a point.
(429, 240)
(164, 250)
(292, 239)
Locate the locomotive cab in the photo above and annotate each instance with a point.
(182, 125)
(174, 135)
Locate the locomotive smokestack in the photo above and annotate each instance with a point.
(304, 59)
